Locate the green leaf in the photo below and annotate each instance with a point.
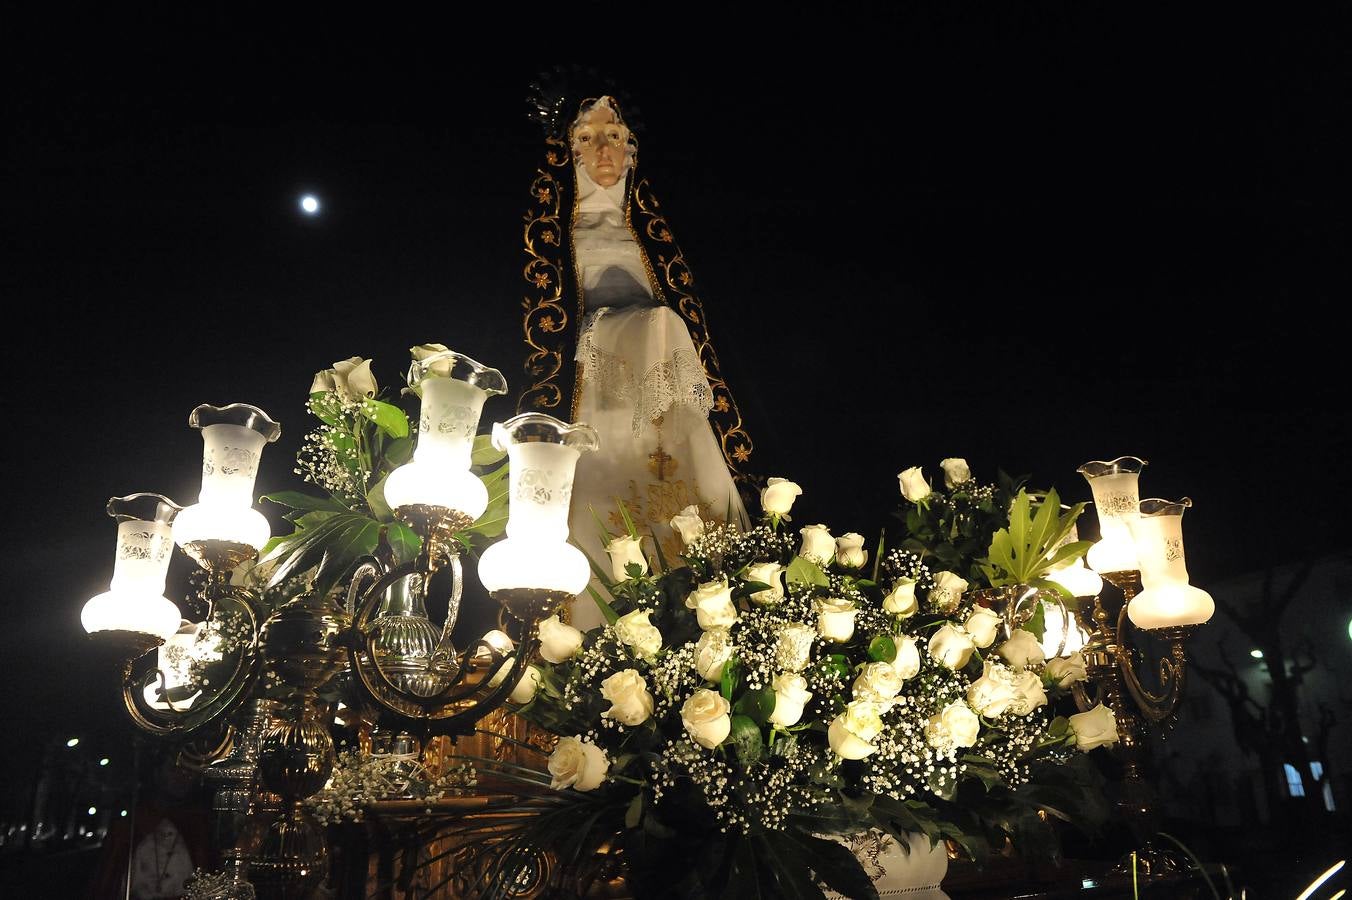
(882, 649)
(387, 417)
(731, 678)
(326, 407)
(745, 739)
(375, 499)
(356, 538)
(757, 705)
(403, 541)
(1037, 623)
(399, 452)
(634, 815)
(607, 610)
(303, 548)
(628, 521)
(297, 500)
(784, 860)
(805, 571)
(835, 865)
(484, 453)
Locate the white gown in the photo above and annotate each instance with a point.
(642, 387)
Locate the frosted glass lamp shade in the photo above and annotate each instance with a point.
(521, 563)
(1166, 599)
(543, 454)
(453, 389)
(233, 438)
(1116, 499)
(433, 484)
(135, 598)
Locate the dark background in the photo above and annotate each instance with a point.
(1030, 238)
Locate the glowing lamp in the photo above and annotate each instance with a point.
(233, 438)
(135, 601)
(453, 388)
(1117, 499)
(1166, 599)
(535, 559)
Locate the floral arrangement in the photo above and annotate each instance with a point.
(773, 690)
(359, 440)
(361, 778)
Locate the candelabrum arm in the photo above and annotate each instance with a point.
(1173, 668)
(208, 708)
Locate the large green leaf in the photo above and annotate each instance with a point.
(375, 499)
(835, 865)
(484, 453)
(403, 541)
(791, 872)
(805, 571)
(388, 418)
(357, 537)
(297, 500)
(304, 548)
(756, 705)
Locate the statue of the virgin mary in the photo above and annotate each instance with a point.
(618, 339)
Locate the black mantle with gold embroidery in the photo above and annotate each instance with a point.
(553, 306)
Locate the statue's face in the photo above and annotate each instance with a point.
(599, 143)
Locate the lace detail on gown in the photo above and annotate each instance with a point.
(649, 386)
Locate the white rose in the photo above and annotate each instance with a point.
(851, 733)
(901, 601)
(713, 606)
(636, 631)
(877, 681)
(422, 351)
(791, 696)
(350, 378)
(850, 552)
(818, 545)
(1065, 671)
(956, 472)
(947, 591)
(952, 727)
(778, 495)
(624, 550)
(793, 650)
(766, 573)
(688, 524)
(1022, 649)
(1096, 728)
(578, 764)
(907, 662)
(983, 625)
(914, 487)
(558, 640)
(951, 646)
(712, 653)
(835, 618)
(630, 702)
(354, 379)
(993, 693)
(1029, 693)
(706, 718)
(526, 685)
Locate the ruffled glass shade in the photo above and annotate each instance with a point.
(1117, 499)
(1166, 599)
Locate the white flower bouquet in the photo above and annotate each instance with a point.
(774, 689)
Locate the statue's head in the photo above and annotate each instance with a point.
(601, 143)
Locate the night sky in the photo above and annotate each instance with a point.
(1030, 241)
